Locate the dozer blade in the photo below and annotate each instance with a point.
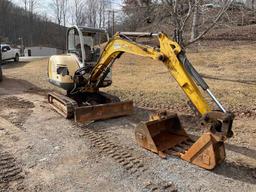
(62, 104)
(103, 111)
(165, 136)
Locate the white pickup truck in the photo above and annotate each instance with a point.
(9, 53)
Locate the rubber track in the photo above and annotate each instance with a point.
(69, 103)
(126, 158)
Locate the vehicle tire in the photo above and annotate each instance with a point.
(17, 58)
(1, 73)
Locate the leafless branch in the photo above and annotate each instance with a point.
(188, 15)
(217, 18)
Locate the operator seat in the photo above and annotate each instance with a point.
(88, 53)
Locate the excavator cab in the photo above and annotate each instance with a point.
(83, 49)
(86, 42)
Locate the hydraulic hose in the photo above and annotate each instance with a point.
(192, 71)
(198, 78)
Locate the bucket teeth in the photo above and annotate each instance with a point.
(187, 142)
(172, 152)
(185, 146)
(179, 148)
(190, 141)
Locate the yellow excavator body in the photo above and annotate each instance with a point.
(61, 69)
(82, 77)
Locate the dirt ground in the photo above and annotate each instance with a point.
(41, 151)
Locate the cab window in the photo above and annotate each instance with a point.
(6, 48)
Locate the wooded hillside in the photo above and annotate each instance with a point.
(16, 22)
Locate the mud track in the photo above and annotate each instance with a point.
(127, 158)
(18, 110)
(11, 176)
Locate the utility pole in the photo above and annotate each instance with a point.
(1, 73)
(21, 46)
(108, 21)
(113, 22)
(111, 28)
(0, 55)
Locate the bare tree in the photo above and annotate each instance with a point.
(64, 6)
(253, 4)
(92, 8)
(138, 13)
(60, 9)
(139, 3)
(187, 18)
(213, 23)
(195, 22)
(32, 5)
(78, 15)
(90, 12)
(25, 4)
(104, 6)
(181, 12)
(101, 13)
(57, 8)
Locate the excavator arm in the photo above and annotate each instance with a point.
(164, 134)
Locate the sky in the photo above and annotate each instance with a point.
(44, 4)
(45, 9)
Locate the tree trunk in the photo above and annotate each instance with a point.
(196, 17)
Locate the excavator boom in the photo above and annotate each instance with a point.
(167, 53)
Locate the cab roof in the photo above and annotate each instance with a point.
(90, 29)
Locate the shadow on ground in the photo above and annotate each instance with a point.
(243, 81)
(18, 86)
(242, 150)
(237, 172)
(249, 82)
(11, 64)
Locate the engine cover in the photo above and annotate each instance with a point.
(61, 70)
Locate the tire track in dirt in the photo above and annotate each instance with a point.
(125, 157)
(11, 176)
(18, 110)
(122, 156)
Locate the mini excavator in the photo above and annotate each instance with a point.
(87, 67)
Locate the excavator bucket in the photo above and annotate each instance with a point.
(165, 136)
